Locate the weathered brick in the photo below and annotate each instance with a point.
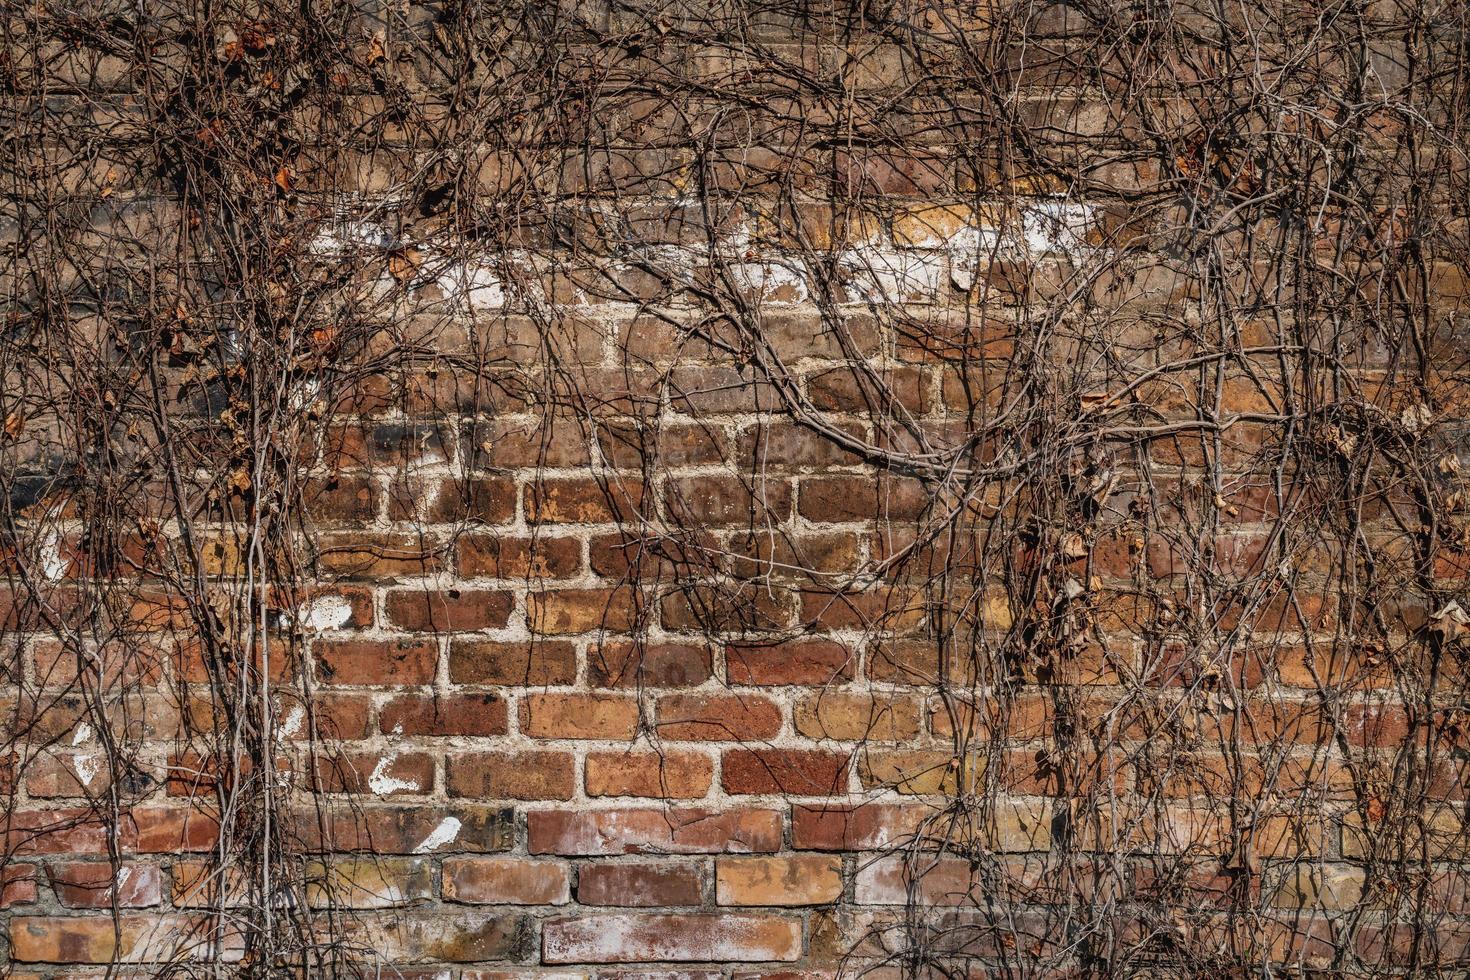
(519, 775)
(850, 717)
(137, 939)
(377, 661)
(601, 716)
(581, 501)
(672, 831)
(450, 610)
(387, 773)
(479, 500)
(855, 498)
(808, 662)
(666, 774)
(640, 884)
(729, 500)
(1324, 886)
(498, 556)
(506, 881)
(622, 664)
(801, 772)
(18, 885)
(441, 935)
(798, 880)
(368, 882)
(564, 611)
(839, 827)
(379, 557)
(444, 715)
(418, 829)
(679, 938)
(95, 884)
(528, 663)
(716, 717)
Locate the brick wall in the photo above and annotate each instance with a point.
(747, 492)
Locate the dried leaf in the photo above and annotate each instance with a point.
(1451, 621)
(403, 263)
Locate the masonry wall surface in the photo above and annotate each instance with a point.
(750, 491)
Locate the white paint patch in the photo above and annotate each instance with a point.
(329, 612)
(291, 727)
(82, 734)
(772, 282)
(53, 564)
(969, 249)
(348, 235)
(383, 784)
(474, 284)
(884, 275)
(87, 767)
(445, 833)
(1056, 226)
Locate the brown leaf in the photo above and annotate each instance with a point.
(403, 263)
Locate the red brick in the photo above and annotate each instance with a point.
(164, 830)
(377, 661)
(622, 664)
(603, 716)
(732, 607)
(860, 498)
(520, 775)
(505, 881)
(566, 611)
(497, 556)
(728, 501)
(717, 717)
(400, 829)
(381, 773)
(819, 827)
(80, 884)
(850, 717)
(522, 663)
(785, 880)
(657, 830)
(340, 498)
(479, 500)
(444, 715)
(665, 774)
(451, 610)
(673, 445)
(62, 831)
(579, 500)
(646, 938)
(808, 662)
(379, 557)
(640, 884)
(17, 885)
(92, 939)
(800, 772)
